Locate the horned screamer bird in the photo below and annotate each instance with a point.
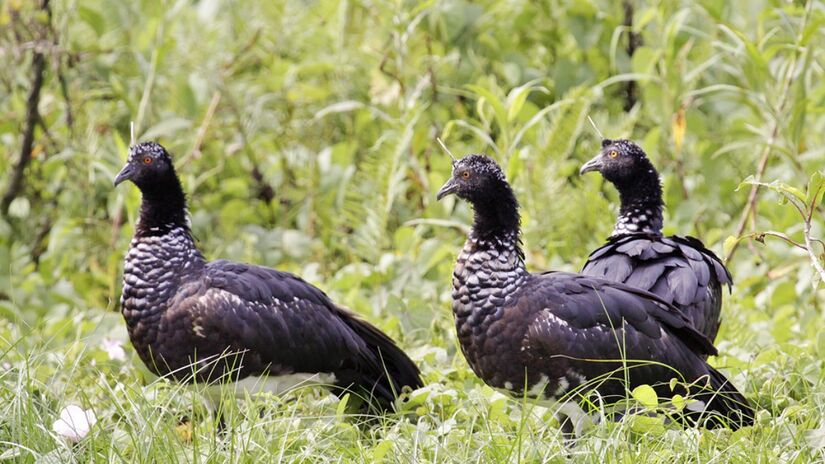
(545, 335)
(225, 322)
(680, 270)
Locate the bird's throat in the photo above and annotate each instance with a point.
(641, 206)
(162, 209)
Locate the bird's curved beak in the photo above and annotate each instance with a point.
(448, 188)
(594, 164)
(124, 174)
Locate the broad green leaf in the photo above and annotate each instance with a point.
(499, 111)
(816, 187)
(92, 18)
(643, 17)
(516, 101)
(646, 395)
(644, 59)
(381, 450)
(750, 180)
(647, 425)
(517, 97)
(776, 186)
(679, 402)
(789, 189)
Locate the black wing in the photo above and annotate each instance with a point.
(680, 270)
(585, 302)
(589, 329)
(279, 324)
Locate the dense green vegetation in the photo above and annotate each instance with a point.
(304, 133)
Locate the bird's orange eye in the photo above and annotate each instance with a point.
(613, 153)
(147, 160)
(465, 174)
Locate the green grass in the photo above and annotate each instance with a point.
(453, 419)
(334, 107)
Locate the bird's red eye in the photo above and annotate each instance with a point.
(147, 160)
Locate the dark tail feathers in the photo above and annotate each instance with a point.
(379, 376)
(724, 405)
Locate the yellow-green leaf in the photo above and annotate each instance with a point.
(815, 188)
(342, 406)
(730, 242)
(647, 425)
(380, 451)
(499, 111)
(679, 402)
(646, 395)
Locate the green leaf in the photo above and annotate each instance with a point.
(750, 180)
(776, 186)
(647, 425)
(342, 406)
(644, 59)
(19, 207)
(517, 97)
(499, 111)
(816, 185)
(92, 18)
(381, 450)
(679, 402)
(646, 395)
(730, 242)
(789, 189)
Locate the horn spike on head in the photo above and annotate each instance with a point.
(447, 150)
(592, 123)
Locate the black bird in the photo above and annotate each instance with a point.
(680, 270)
(546, 335)
(220, 322)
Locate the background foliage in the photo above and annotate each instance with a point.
(304, 133)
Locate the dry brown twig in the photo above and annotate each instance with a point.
(15, 183)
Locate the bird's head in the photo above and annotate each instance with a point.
(475, 178)
(619, 161)
(149, 165)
